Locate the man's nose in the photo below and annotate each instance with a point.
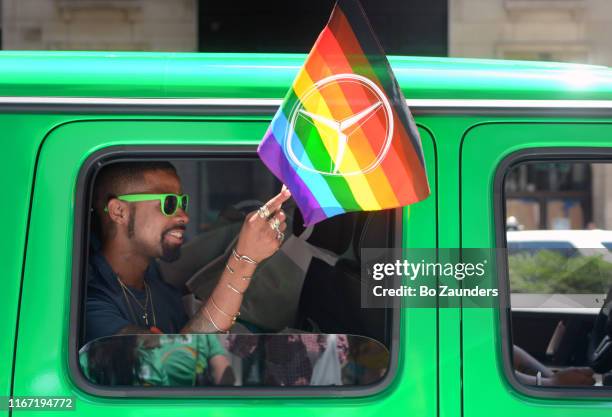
(182, 215)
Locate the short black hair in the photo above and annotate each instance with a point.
(113, 179)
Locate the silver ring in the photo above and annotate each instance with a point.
(280, 236)
(264, 211)
(275, 224)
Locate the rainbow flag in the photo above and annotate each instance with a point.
(344, 139)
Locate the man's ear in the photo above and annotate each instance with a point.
(118, 211)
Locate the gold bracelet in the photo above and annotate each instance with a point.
(243, 258)
(231, 287)
(213, 322)
(231, 270)
(223, 312)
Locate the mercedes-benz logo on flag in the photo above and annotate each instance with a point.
(328, 149)
(343, 138)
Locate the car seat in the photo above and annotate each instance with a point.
(330, 301)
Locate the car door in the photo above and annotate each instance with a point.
(21, 135)
(489, 152)
(44, 365)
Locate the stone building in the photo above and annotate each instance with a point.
(404, 27)
(546, 30)
(578, 31)
(552, 30)
(136, 25)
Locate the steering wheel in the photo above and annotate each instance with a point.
(600, 345)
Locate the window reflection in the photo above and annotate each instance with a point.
(270, 360)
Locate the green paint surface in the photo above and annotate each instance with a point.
(448, 360)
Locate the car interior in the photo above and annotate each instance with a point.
(314, 286)
(560, 286)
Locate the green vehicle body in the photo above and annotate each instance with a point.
(471, 113)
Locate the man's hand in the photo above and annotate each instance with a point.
(573, 376)
(258, 239)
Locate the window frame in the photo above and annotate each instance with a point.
(540, 154)
(80, 255)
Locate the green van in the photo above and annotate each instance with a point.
(509, 146)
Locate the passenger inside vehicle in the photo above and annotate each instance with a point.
(141, 216)
(530, 371)
(311, 283)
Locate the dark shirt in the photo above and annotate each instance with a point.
(107, 311)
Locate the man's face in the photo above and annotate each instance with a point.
(151, 232)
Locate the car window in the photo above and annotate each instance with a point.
(306, 292)
(559, 282)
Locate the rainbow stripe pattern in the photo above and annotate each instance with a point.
(344, 139)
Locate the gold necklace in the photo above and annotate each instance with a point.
(144, 307)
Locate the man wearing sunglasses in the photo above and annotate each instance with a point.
(140, 215)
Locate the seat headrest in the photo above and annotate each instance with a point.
(372, 231)
(333, 234)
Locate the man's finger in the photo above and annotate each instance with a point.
(276, 202)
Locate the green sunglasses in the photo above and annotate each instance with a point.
(169, 203)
